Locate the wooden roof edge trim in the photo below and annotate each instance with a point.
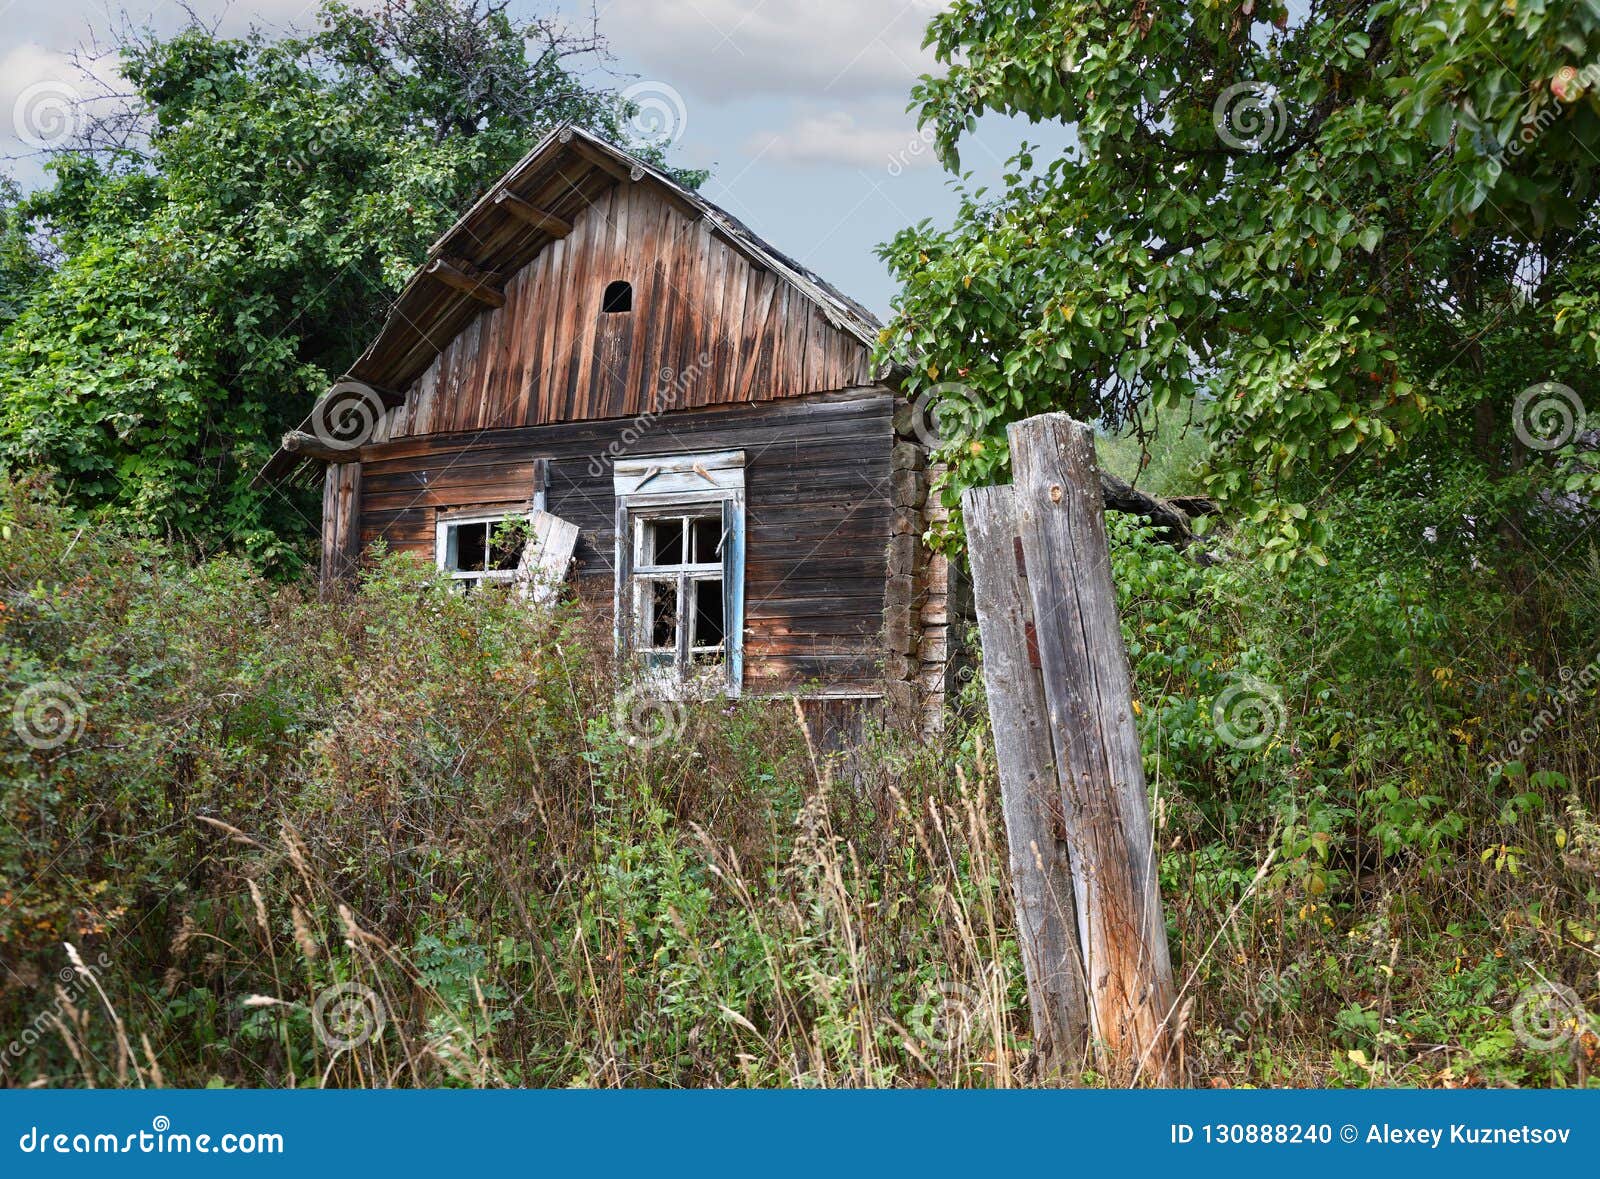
(317, 434)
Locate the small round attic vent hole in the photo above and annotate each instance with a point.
(618, 297)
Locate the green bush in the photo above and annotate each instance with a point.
(270, 817)
(402, 836)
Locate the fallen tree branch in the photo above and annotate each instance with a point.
(1173, 521)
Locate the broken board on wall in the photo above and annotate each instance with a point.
(546, 557)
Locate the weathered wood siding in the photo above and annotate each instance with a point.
(708, 327)
(341, 535)
(818, 513)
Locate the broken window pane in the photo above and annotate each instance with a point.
(658, 613)
(506, 543)
(663, 543)
(471, 546)
(707, 534)
(707, 631)
(677, 621)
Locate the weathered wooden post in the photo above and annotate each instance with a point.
(1041, 874)
(1076, 656)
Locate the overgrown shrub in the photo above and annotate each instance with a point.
(409, 837)
(272, 818)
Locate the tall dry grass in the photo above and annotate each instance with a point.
(409, 838)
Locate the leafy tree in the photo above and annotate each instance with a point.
(20, 264)
(1331, 231)
(228, 247)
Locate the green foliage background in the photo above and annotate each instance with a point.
(208, 279)
(1369, 272)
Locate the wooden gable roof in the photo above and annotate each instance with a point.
(576, 208)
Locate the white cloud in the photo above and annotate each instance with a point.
(46, 97)
(837, 137)
(722, 49)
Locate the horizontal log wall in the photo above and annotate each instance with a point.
(708, 327)
(818, 514)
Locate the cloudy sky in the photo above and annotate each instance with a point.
(797, 108)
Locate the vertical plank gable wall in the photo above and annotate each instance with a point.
(708, 327)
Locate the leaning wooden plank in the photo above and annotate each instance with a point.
(341, 524)
(1041, 871)
(1061, 522)
(546, 558)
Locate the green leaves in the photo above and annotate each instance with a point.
(1347, 278)
(207, 293)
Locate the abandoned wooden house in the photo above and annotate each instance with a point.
(690, 415)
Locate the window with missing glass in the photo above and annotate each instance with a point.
(478, 549)
(680, 567)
